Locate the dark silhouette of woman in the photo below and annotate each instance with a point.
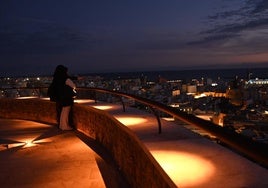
(64, 89)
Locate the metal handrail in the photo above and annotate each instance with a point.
(254, 150)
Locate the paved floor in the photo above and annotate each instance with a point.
(188, 158)
(38, 155)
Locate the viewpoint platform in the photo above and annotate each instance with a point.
(39, 155)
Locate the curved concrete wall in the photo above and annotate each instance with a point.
(29, 109)
(132, 157)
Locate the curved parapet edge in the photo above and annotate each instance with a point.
(132, 157)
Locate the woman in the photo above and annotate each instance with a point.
(64, 89)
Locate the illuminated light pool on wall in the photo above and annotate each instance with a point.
(30, 97)
(185, 169)
(103, 107)
(82, 101)
(128, 121)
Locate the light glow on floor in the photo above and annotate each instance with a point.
(82, 101)
(168, 119)
(31, 97)
(185, 169)
(31, 142)
(128, 121)
(103, 107)
(28, 144)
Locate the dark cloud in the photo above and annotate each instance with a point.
(229, 24)
(106, 36)
(43, 38)
(258, 6)
(212, 39)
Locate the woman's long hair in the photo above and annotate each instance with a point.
(60, 74)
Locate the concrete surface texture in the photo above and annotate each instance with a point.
(39, 155)
(188, 158)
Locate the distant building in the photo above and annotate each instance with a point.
(218, 119)
(176, 92)
(191, 89)
(256, 82)
(209, 81)
(235, 96)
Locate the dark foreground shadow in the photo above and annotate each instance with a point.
(110, 172)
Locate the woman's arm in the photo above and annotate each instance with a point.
(70, 83)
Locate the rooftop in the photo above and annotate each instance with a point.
(35, 155)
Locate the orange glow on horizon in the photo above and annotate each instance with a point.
(259, 58)
(183, 168)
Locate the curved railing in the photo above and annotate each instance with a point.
(132, 158)
(256, 151)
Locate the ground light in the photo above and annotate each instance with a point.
(25, 143)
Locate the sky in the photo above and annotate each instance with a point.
(99, 36)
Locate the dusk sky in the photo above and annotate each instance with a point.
(95, 36)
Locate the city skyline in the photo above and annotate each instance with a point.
(125, 36)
